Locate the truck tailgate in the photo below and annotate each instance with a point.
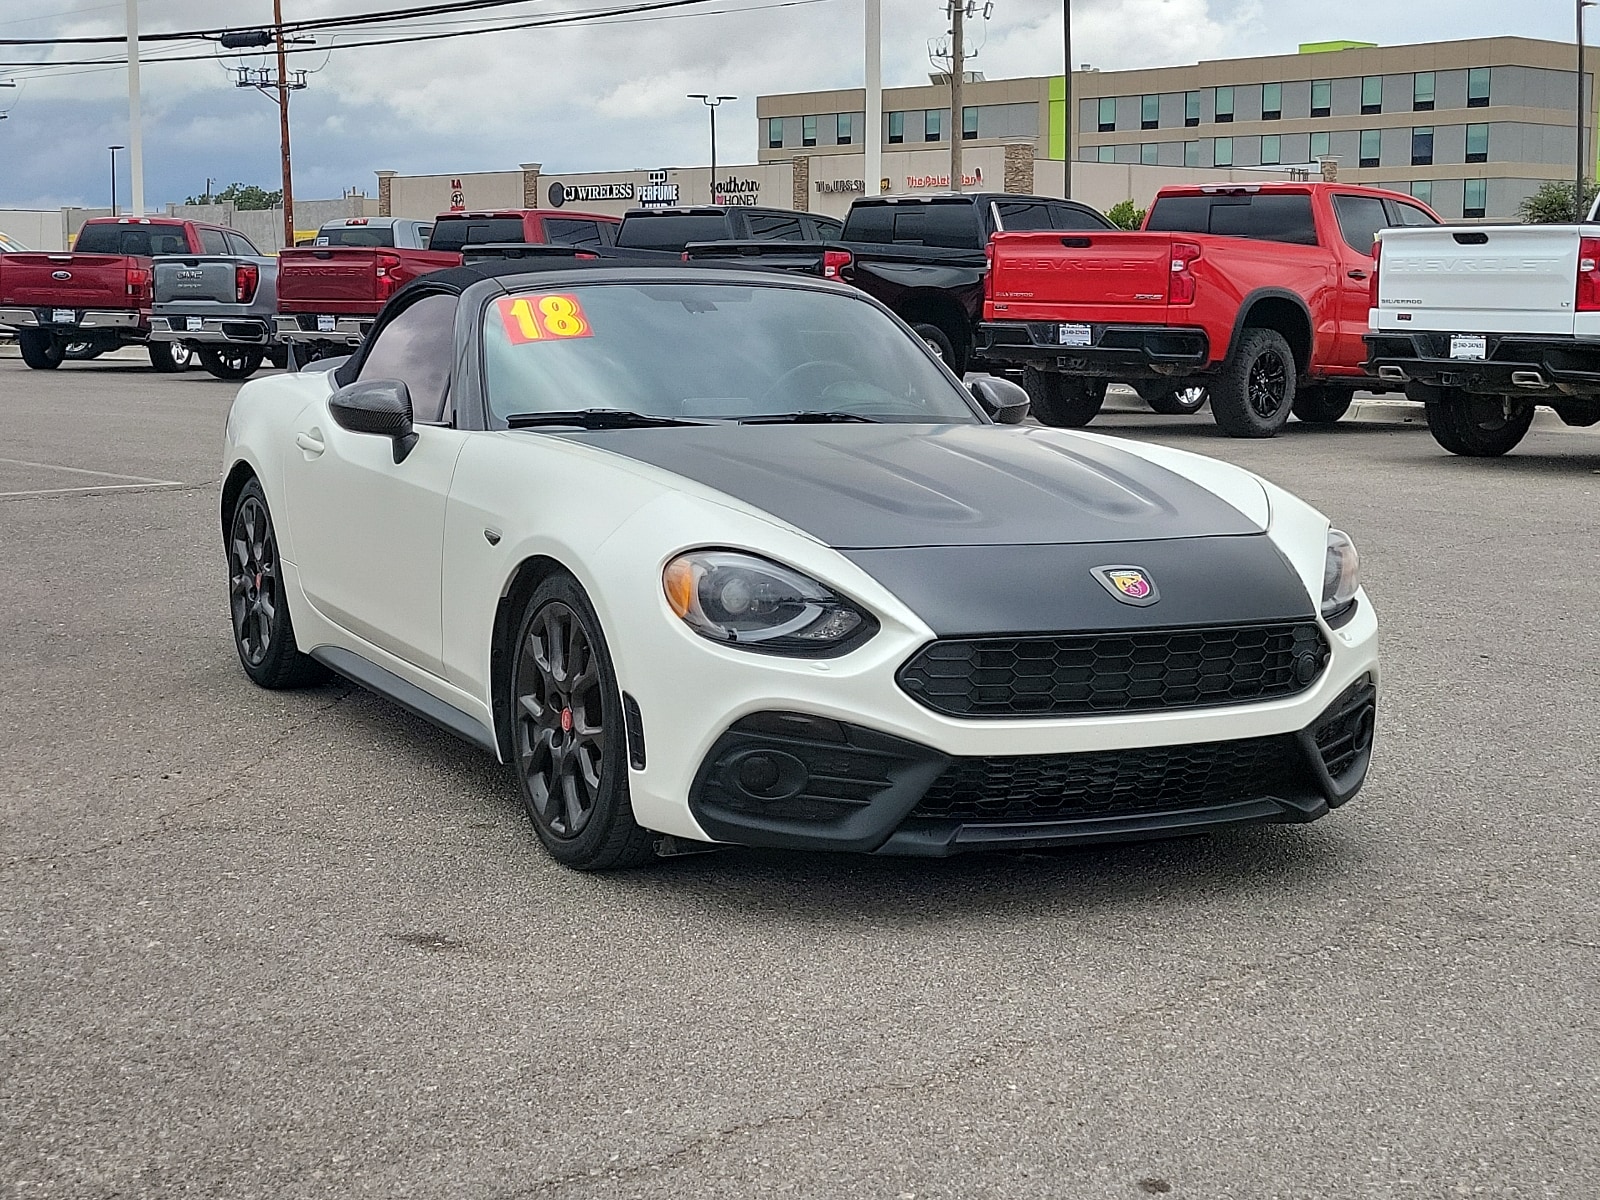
(195, 277)
(333, 279)
(1478, 279)
(1080, 276)
(67, 281)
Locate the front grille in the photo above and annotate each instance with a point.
(1056, 787)
(1076, 674)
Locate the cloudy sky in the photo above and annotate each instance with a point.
(590, 97)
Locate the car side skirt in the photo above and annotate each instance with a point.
(408, 696)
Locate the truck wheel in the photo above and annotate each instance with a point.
(1254, 394)
(83, 351)
(230, 362)
(169, 356)
(40, 350)
(1476, 426)
(1065, 401)
(1322, 405)
(1171, 400)
(939, 342)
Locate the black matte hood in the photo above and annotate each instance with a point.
(892, 486)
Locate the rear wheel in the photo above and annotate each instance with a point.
(40, 350)
(1476, 426)
(231, 362)
(939, 342)
(1254, 394)
(1065, 401)
(1172, 400)
(1322, 405)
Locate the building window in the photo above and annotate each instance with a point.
(969, 123)
(774, 133)
(1107, 154)
(1422, 189)
(1271, 150)
(1222, 155)
(1149, 154)
(841, 128)
(1149, 112)
(1191, 108)
(1271, 101)
(1321, 97)
(1320, 146)
(1108, 113)
(1478, 87)
(1224, 104)
(1422, 146)
(934, 129)
(897, 128)
(1371, 95)
(1371, 140)
(1422, 92)
(1477, 143)
(808, 131)
(1191, 154)
(1475, 198)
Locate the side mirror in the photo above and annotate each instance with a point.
(380, 406)
(1003, 400)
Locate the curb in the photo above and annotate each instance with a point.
(1381, 410)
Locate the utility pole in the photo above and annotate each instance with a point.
(1583, 149)
(871, 178)
(135, 136)
(1067, 116)
(283, 125)
(958, 72)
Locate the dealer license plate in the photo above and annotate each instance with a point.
(1076, 335)
(196, 324)
(325, 324)
(1469, 347)
(63, 316)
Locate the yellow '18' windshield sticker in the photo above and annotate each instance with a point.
(553, 317)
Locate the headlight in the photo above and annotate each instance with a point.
(1341, 574)
(741, 600)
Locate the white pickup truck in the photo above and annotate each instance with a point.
(1483, 322)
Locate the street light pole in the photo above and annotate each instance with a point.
(712, 102)
(114, 150)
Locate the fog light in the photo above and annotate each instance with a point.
(767, 775)
(1361, 737)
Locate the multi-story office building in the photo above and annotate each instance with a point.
(1470, 127)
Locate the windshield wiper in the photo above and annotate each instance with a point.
(595, 418)
(810, 418)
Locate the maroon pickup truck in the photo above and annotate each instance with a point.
(329, 293)
(97, 296)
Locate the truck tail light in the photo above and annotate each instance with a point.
(1372, 280)
(139, 283)
(1589, 275)
(245, 278)
(834, 262)
(387, 283)
(1180, 283)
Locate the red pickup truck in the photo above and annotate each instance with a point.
(99, 295)
(1257, 292)
(329, 293)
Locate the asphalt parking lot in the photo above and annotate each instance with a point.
(301, 944)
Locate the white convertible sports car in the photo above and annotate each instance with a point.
(722, 556)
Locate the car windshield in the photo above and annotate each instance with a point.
(717, 351)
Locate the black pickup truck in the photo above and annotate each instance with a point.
(922, 256)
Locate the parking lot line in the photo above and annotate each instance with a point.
(133, 479)
(104, 487)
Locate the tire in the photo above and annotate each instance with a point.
(939, 342)
(263, 634)
(1064, 401)
(569, 745)
(1477, 426)
(231, 363)
(169, 356)
(1172, 400)
(40, 350)
(82, 351)
(1254, 394)
(1322, 405)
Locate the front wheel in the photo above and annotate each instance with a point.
(939, 342)
(230, 362)
(1476, 426)
(170, 356)
(1065, 401)
(1254, 394)
(569, 740)
(1172, 400)
(262, 632)
(41, 350)
(83, 351)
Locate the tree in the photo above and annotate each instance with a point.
(1552, 204)
(244, 197)
(1125, 216)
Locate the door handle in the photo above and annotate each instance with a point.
(1356, 273)
(311, 442)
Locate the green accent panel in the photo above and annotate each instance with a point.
(1058, 117)
(1330, 47)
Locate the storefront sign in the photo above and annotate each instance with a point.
(588, 193)
(458, 197)
(914, 182)
(841, 185)
(737, 192)
(658, 193)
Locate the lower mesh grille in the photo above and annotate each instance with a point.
(1052, 787)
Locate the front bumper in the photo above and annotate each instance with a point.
(798, 782)
(1114, 352)
(131, 320)
(311, 329)
(1514, 364)
(223, 331)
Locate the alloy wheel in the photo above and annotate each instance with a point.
(561, 735)
(1269, 385)
(253, 581)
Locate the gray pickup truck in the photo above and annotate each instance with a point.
(219, 304)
